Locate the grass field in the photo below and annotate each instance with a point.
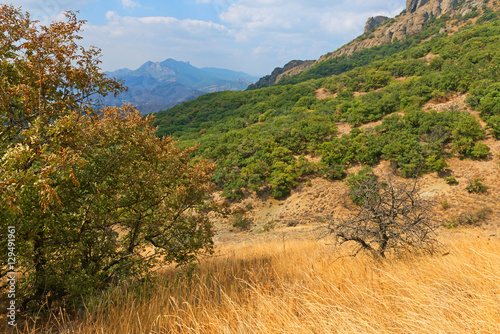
(303, 286)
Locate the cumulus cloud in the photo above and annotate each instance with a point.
(301, 28)
(249, 35)
(305, 16)
(128, 41)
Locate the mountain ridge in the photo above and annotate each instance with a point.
(381, 31)
(156, 86)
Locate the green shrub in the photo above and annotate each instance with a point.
(476, 186)
(451, 180)
(480, 151)
(358, 181)
(241, 221)
(435, 163)
(494, 125)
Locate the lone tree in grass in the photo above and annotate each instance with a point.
(390, 217)
(95, 197)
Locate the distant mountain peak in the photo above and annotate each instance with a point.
(156, 86)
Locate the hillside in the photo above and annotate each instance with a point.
(426, 106)
(419, 15)
(156, 86)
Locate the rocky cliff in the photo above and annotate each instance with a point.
(374, 22)
(408, 23)
(295, 66)
(381, 30)
(413, 5)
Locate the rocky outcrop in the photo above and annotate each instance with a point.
(413, 5)
(409, 23)
(418, 12)
(374, 22)
(307, 64)
(278, 72)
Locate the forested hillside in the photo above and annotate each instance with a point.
(268, 140)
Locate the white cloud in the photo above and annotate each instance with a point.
(255, 16)
(249, 35)
(130, 41)
(282, 30)
(129, 4)
(48, 10)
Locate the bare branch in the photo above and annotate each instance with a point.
(390, 217)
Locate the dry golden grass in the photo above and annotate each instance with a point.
(304, 287)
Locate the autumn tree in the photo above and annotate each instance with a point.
(94, 195)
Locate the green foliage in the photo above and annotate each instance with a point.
(241, 221)
(356, 147)
(466, 132)
(486, 98)
(451, 180)
(494, 124)
(480, 151)
(365, 178)
(488, 15)
(87, 192)
(476, 186)
(435, 163)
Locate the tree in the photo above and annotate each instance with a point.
(390, 217)
(94, 195)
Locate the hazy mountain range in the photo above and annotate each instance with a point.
(158, 86)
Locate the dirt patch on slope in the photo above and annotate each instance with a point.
(324, 93)
(429, 57)
(344, 128)
(453, 103)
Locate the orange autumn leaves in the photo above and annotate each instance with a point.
(92, 190)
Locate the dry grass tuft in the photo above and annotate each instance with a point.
(304, 287)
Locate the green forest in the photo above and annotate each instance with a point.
(261, 138)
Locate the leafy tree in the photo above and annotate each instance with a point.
(95, 197)
(467, 130)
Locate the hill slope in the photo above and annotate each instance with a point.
(419, 15)
(428, 106)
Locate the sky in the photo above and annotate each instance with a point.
(253, 36)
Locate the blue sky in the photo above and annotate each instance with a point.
(253, 36)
